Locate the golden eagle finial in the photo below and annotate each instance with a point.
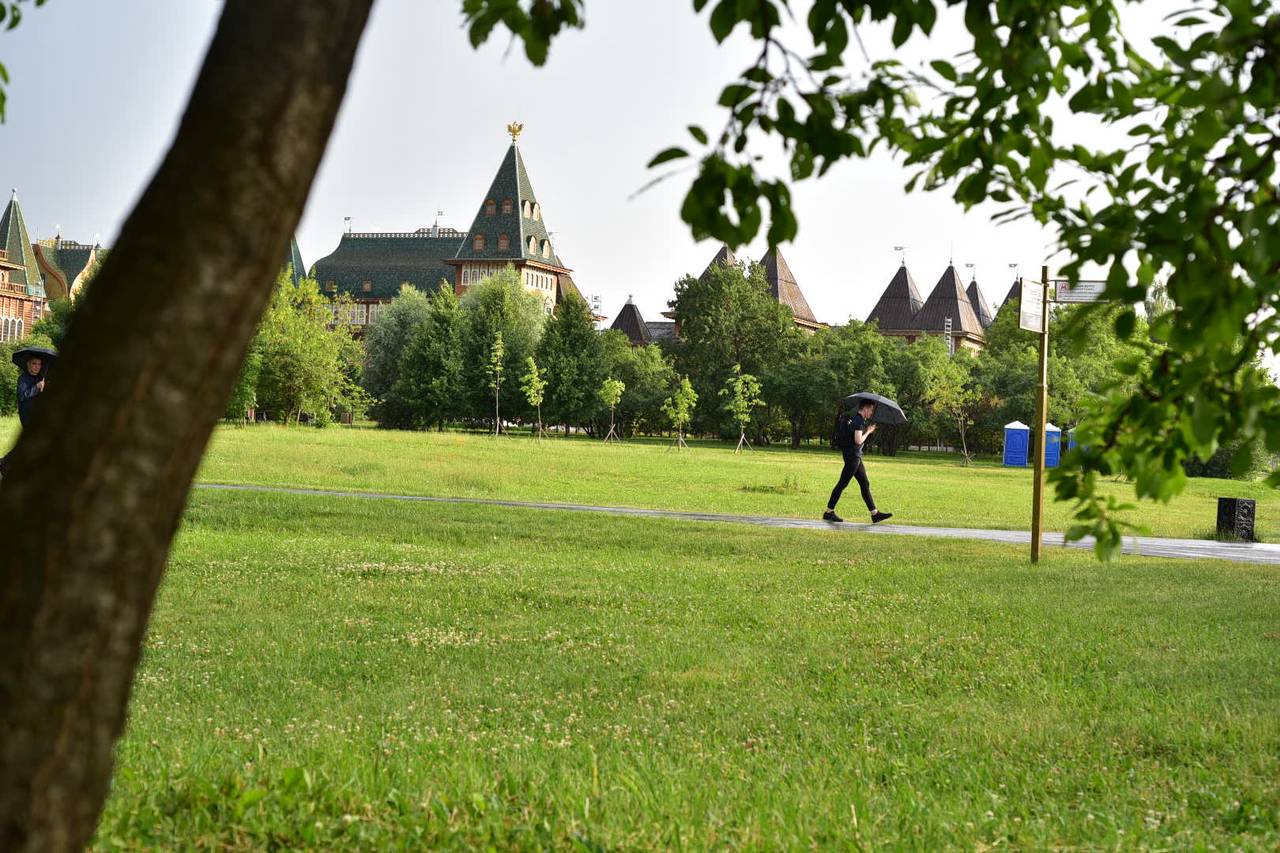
(514, 129)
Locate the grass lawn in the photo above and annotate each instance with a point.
(925, 490)
(921, 489)
(327, 673)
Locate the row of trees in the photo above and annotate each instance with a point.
(747, 372)
(494, 357)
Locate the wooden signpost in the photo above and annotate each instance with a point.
(1033, 315)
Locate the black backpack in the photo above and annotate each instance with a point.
(842, 432)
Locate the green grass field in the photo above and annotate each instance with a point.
(925, 490)
(327, 673)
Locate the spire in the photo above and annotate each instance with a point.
(724, 258)
(979, 303)
(510, 210)
(898, 305)
(1014, 295)
(631, 324)
(294, 260)
(948, 301)
(783, 287)
(16, 242)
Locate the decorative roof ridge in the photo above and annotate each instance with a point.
(421, 233)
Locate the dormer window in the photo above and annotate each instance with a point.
(504, 242)
(331, 286)
(507, 205)
(546, 248)
(490, 207)
(526, 209)
(533, 246)
(478, 243)
(537, 212)
(368, 287)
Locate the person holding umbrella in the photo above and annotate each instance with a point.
(33, 366)
(853, 427)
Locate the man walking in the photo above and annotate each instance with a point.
(852, 431)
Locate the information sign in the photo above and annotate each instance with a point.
(1078, 291)
(1031, 313)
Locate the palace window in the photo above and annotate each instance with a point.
(507, 205)
(504, 242)
(490, 207)
(478, 243)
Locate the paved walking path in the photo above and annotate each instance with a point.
(1144, 545)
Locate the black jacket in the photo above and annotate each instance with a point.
(27, 393)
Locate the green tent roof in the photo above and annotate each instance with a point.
(510, 209)
(16, 242)
(387, 260)
(294, 260)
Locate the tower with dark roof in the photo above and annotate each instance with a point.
(948, 310)
(293, 261)
(22, 293)
(783, 287)
(16, 243)
(895, 312)
(508, 229)
(979, 303)
(724, 258)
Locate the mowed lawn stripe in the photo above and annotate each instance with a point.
(325, 672)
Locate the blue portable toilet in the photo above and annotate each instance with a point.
(1017, 439)
(1052, 446)
(1071, 439)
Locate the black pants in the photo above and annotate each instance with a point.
(853, 470)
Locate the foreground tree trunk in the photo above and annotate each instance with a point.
(100, 477)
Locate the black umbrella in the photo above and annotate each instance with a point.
(887, 411)
(22, 356)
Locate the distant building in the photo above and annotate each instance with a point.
(949, 311)
(639, 332)
(66, 265)
(508, 230)
(777, 273)
(22, 294)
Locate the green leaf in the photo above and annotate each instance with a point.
(667, 155)
(698, 133)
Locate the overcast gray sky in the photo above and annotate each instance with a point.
(97, 90)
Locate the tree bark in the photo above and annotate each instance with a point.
(99, 479)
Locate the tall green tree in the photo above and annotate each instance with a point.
(429, 377)
(386, 342)
(951, 395)
(571, 354)
(303, 369)
(498, 305)
(727, 317)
